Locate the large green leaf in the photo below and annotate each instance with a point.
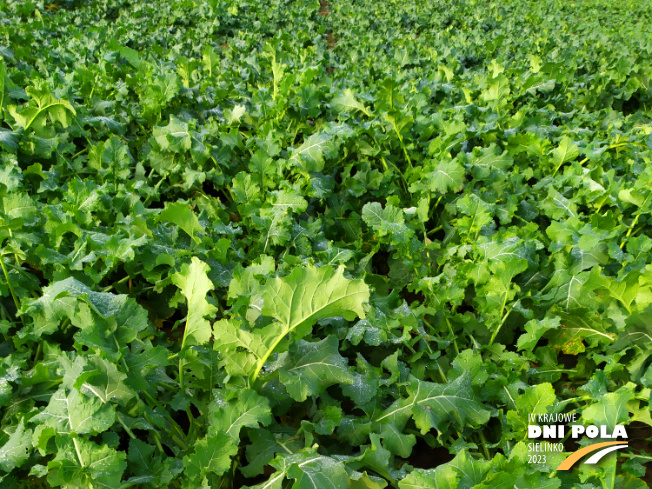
(180, 214)
(310, 368)
(194, 284)
(302, 298)
(75, 413)
(310, 155)
(16, 449)
(212, 455)
(346, 102)
(82, 463)
(248, 409)
(438, 406)
(43, 108)
(443, 477)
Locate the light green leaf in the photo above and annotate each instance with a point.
(240, 349)
(447, 176)
(82, 463)
(108, 382)
(314, 471)
(389, 221)
(436, 406)
(16, 450)
(471, 471)
(76, 413)
(611, 409)
(248, 409)
(305, 296)
(19, 206)
(313, 367)
(535, 329)
(485, 160)
(234, 115)
(566, 151)
(346, 102)
(442, 477)
(212, 455)
(537, 399)
(43, 107)
(180, 214)
(195, 285)
(577, 329)
(310, 155)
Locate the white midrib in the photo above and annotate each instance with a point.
(307, 148)
(288, 328)
(238, 419)
(420, 402)
(282, 473)
(312, 363)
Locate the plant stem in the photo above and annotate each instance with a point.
(633, 224)
(493, 336)
(79, 456)
(450, 328)
(126, 428)
(11, 289)
(484, 445)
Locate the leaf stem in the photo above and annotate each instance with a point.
(79, 456)
(450, 328)
(633, 224)
(11, 289)
(483, 441)
(126, 428)
(261, 361)
(497, 330)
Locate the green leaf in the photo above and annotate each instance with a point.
(310, 471)
(174, 137)
(312, 367)
(438, 406)
(470, 471)
(442, 477)
(194, 284)
(107, 321)
(15, 451)
(347, 103)
(364, 481)
(566, 151)
(611, 409)
(537, 399)
(235, 114)
(107, 383)
(19, 206)
(447, 176)
(241, 350)
(248, 409)
(180, 215)
(535, 329)
(389, 221)
(212, 455)
(43, 107)
(82, 463)
(76, 413)
(264, 445)
(310, 155)
(576, 330)
(484, 161)
(302, 298)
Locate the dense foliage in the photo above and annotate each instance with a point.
(350, 244)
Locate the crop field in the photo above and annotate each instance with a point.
(324, 245)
